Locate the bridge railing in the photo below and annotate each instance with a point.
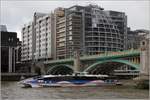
(112, 53)
(106, 54)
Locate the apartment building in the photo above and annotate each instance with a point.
(38, 38)
(60, 33)
(27, 42)
(44, 30)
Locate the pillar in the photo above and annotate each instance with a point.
(14, 60)
(33, 68)
(144, 64)
(137, 60)
(76, 62)
(132, 60)
(145, 57)
(10, 60)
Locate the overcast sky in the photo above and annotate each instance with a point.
(14, 14)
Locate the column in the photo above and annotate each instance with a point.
(76, 62)
(14, 67)
(10, 60)
(144, 58)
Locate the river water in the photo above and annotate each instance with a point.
(11, 91)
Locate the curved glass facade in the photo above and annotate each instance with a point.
(94, 30)
(102, 34)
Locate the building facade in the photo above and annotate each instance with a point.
(133, 41)
(135, 37)
(91, 30)
(120, 19)
(18, 51)
(145, 53)
(44, 29)
(74, 30)
(27, 42)
(8, 55)
(60, 33)
(37, 38)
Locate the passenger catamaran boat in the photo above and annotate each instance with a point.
(67, 80)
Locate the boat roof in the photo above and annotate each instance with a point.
(45, 76)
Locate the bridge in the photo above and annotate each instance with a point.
(104, 63)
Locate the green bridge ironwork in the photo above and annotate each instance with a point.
(98, 59)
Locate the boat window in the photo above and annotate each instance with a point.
(48, 78)
(40, 78)
(36, 77)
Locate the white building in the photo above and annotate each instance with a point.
(37, 38)
(27, 42)
(43, 25)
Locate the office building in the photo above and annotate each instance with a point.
(27, 42)
(133, 41)
(37, 38)
(60, 33)
(8, 46)
(18, 51)
(44, 30)
(120, 19)
(135, 37)
(91, 30)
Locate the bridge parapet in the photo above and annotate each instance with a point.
(60, 61)
(120, 53)
(108, 55)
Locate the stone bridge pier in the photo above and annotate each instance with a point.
(145, 58)
(38, 68)
(143, 79)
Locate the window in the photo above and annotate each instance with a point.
(71, 42)
(70, 37)
(61, 44)
(70, 32)
(70, 28)
(70, 23)
(143, 43)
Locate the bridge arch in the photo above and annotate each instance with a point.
(60, 69)
(136, 66)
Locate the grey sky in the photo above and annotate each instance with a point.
(15, 14)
